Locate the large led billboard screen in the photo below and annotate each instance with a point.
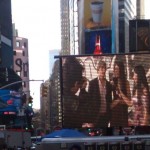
(105, 90)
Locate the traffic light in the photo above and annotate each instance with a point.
(44, 91)
(30, 101)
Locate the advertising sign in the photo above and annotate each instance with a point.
(139, 35)
(10, 101)
(97, 13)
(105, 41)
(98, 21)
(105, 90)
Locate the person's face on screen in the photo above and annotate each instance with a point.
(145, 92)
(75, 88)
(101, 72)
(84, 85)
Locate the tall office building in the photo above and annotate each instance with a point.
(50, 95)
(140, 9)
(127, 11)
(65, 32)
(52, 54)
(55, 96)
(6, 47)
(7, 75)
(69, 27)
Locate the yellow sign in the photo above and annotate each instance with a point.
(97, 13)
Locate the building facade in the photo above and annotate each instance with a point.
(51, 100)
(21, 60)
(10, 81)
(6, 47)
(7, 75)
(65, 25)
(52, 54)
(69, 27)
(140, 9)
(127, 11)
(45, 106)
(55, 97)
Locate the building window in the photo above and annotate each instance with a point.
(18, 73)
(24, 84)
(14, 52)
(17, 44)
(25, 45)
(25, 73)
(23, 53)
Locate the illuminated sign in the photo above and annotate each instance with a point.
(105, 90)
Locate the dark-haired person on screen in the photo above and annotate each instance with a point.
(100, 98)
(120, 86)
(72, 74)
(140, 99)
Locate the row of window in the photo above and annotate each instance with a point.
(18, 44)
(15, 52)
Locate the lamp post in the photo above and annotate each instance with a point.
(3, 87)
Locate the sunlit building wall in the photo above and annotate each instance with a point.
(65, 32)
(21, 60)
(69, 27)
(140, 9)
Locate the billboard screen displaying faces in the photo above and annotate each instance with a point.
(105, 90)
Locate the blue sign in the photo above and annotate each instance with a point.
(105, 40)
(9, 100)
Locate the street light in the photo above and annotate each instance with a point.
(3, 87)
